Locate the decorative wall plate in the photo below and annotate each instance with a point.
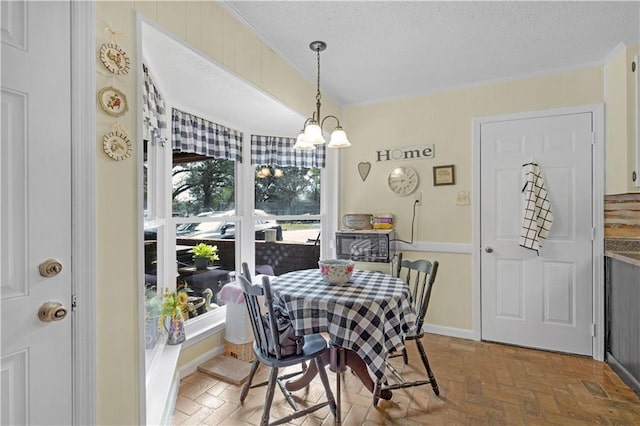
(114, 58)
(112, 101)
(117, 145)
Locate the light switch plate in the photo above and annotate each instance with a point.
(462, 199)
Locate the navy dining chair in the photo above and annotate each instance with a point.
(246, 272)
(314, 348)
(420, 275)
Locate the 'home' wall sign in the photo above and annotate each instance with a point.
(407, 153)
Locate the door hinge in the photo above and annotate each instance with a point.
(593, 234)
(74, 302)
(593, 138)
(593, 329)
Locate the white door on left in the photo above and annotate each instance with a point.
(35, 212)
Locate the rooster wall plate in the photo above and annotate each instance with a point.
(114, 58)
(112, 101)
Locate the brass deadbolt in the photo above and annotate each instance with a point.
(50, 268)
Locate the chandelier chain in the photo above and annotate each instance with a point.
(318, 95)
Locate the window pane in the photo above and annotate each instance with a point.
(203, 283)
(287, 190)
(299, 249)
(146, 189)
(202, 185)
(152, 290)
(301, 231)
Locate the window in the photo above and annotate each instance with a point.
(154, 138)
(263, 207)
(206, 157)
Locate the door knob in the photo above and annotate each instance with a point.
(52, 311)
(488, 249)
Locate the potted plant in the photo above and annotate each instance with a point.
(203, 254)
(172, 317)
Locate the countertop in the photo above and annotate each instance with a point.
(623, 249)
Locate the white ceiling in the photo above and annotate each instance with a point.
(390, 49)
(191, 82)
(381, 50)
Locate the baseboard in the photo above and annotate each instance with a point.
(624, 374)
(192, 366)
(461, 333)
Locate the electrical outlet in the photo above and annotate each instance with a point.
(419, 198)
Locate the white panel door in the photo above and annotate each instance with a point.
(35, 211)
(541, 301)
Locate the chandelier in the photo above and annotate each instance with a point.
(311, 134)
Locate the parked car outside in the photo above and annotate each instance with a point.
(226, 230)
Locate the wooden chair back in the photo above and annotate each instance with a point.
(252, 296)
(420, 275)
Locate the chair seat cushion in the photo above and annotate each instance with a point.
(314, 345)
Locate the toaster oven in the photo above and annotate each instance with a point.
(370, 245)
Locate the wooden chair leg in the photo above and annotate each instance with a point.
(325, 382)
(425, 361)
(405, 357)
(376, 393)
(247, 384)
(269, 397)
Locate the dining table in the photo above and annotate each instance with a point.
(367, 316)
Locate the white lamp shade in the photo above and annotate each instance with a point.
(301, 145)
(338, 139)
(313, 134)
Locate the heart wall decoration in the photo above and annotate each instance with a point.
(364, 168)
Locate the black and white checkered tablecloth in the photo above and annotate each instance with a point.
(370, 315)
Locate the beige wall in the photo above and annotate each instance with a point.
(445, 120)
(213, 31)
(195, 351)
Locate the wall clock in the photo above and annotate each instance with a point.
(403, 180)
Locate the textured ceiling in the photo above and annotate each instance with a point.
(390, 49)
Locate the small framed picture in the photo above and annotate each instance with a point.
(444, 175)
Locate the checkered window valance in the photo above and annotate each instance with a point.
(199, 136)
(153, 109)
(278, 151)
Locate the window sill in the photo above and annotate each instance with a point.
(203, 326)
(162, 385)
